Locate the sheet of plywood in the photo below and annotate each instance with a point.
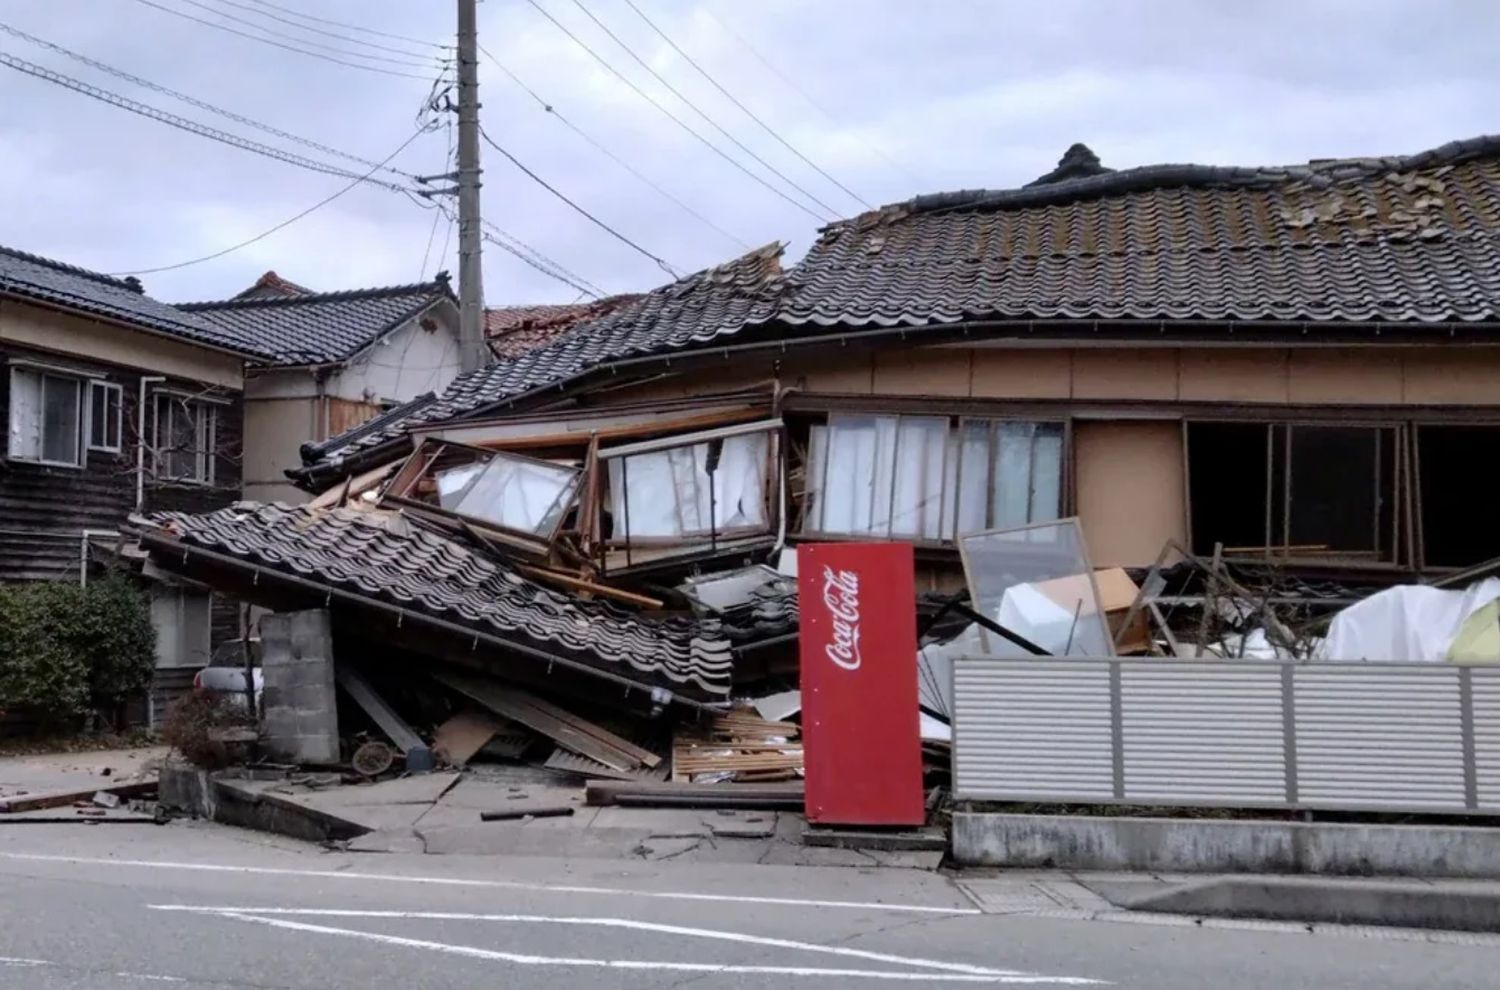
(1129, 489)
(458, 739)
(518, 706)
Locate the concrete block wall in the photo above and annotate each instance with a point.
(299, 708)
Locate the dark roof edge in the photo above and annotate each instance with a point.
(424, 305)
(1147, 177)
(312, 452)
(436, 286)
(139, 325)
(130, 284)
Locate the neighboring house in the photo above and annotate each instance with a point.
(1299, 363)
(115, 404)
(331, 360)
(514, 330)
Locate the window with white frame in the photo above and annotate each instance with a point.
(46, 417)
(707, 489)
(186, 437)
(927, 478)
(104, 417)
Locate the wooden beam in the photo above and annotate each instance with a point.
(561, 727)
(579, 584)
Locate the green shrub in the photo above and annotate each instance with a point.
(66, 649)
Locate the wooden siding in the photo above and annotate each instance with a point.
(45, 509)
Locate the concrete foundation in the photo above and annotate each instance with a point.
(299, 708)
(1171, 845)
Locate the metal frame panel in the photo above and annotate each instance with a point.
(1323, 735)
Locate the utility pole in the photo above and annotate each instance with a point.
(473, 350)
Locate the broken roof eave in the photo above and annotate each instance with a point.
(139, 327)
(175, 557)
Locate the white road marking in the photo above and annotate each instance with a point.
(504, 884)
(644, 926)
(154, 978)
(650, 965)
(30, 963)
(17, 961)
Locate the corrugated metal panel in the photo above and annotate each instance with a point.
(1032, 729)
(1203, 732)
(1379, 736)
(1486, 683)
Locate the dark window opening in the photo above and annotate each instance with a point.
(1454, 460)
(1227, 485)
(1294, 490)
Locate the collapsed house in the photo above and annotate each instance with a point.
(1295, 367)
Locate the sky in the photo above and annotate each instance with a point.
(889, 98)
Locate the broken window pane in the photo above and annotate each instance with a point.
(516, 493)
(1037, 582)
(452, 483)
(717, 486)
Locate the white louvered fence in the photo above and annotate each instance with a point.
(1419, 737)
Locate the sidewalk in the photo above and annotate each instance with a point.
(439, 814)
(1306, 901)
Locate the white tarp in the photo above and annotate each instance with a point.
(1407, 622)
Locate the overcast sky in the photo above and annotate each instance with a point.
(905, 97)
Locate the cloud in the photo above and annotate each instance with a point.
(958, 93)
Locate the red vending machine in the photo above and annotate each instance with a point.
(858, 652)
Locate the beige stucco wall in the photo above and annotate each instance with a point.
(1436, 375)
(1299, 376)
(1129, 489)
(275, 429)
(65, 334)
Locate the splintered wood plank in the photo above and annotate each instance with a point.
(463, 735)
(518, 706)
(599, 732)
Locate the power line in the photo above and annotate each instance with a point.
(228, 114)
(277, 44)
(182, 123)
(670, 115)
(542, 262)
(746, 110)
(351, 27)
(557, 114)
(330, 34)
(795, 87)
(695, 108)
(665, 265)
(409, 60)
(285, 223)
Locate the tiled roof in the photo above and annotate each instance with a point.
(692, 310)
(52, 282)
(1411, 240)
(514, 330)
(318, 328)
(273, 286)
(382, 557)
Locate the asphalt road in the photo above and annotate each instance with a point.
(200, 906)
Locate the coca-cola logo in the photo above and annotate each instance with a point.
(841, 598)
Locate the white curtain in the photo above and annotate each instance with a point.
(666, 493)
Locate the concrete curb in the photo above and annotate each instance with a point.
(1182, 845)
(1392, 904)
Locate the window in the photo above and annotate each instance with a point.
(515, 492)
(104, 417)
(46, 417)
(919, 477)
(186, 436)
(1305, 490)
(1456, 529)
(183, 622)
(696, 491)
